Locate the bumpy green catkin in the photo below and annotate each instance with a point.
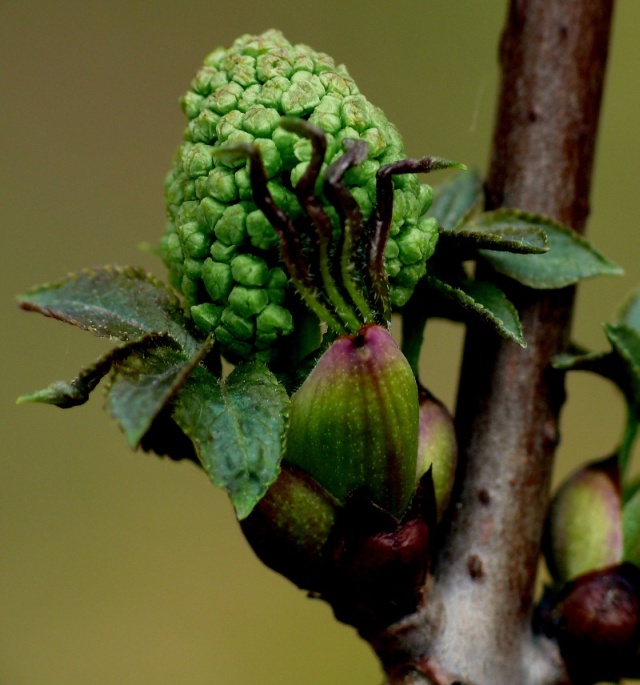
(221, 252)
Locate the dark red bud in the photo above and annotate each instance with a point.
(380, 566)
(596, 620)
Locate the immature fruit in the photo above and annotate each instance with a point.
(584, 523)
(222, 253)
(353, 424)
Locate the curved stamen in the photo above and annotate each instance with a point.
(380, 222)
(305, 192)
(351, 217)
(290, 244)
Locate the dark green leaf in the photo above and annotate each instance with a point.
(166, 439)
(237, 428)
(629, 314)
(142, 385)
(486, 301)
(66, 395)
(456, 199)
(505, 230)
(123, 303)
(626, 343)
(570, 259)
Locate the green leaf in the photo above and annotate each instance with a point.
(142, 385)
(456, 199)
(237, 428)
(66, 395)
(124, 303)
(626, 343)
(570, 259)
(631, 529)
(504, 230)
(485, 301)
(629, 314)
(600, 363)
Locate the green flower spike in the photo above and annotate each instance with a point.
(353, 424)
(221, 250)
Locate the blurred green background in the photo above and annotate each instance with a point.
(122, 568)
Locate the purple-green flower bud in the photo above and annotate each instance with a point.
(290, 526)
(583, 530)
(353, 423)
(437, 448)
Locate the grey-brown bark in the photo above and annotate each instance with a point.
(476, 623)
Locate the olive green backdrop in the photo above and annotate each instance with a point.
(120, 568)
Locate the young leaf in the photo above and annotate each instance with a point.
(124, 303)
(67, 395)
(486, 301)
(237, 428)
(142, 385)
(569, 259)
(601, 363)
(456, 199)
(626, 342)
(505, 230)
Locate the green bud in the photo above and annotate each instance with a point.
(243, 183)
(353, 423)
(193, 268)
(235, 349)
(437, 448)
(221, 185)
(584, 523)
(248, 302)
(217, 279)
(274, 319)
(199, 161)
(260, 232)
(209, 212)
(223, 253)
(299, 99)
(191, 103)
(206, 316)
(412, 246)
(195, 244)
(231, 227)
(239, 327)
(203, 129)
(249, 270)
(261, 121)
(228, 124)
(270, 156)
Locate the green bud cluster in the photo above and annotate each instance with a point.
(221, 252)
